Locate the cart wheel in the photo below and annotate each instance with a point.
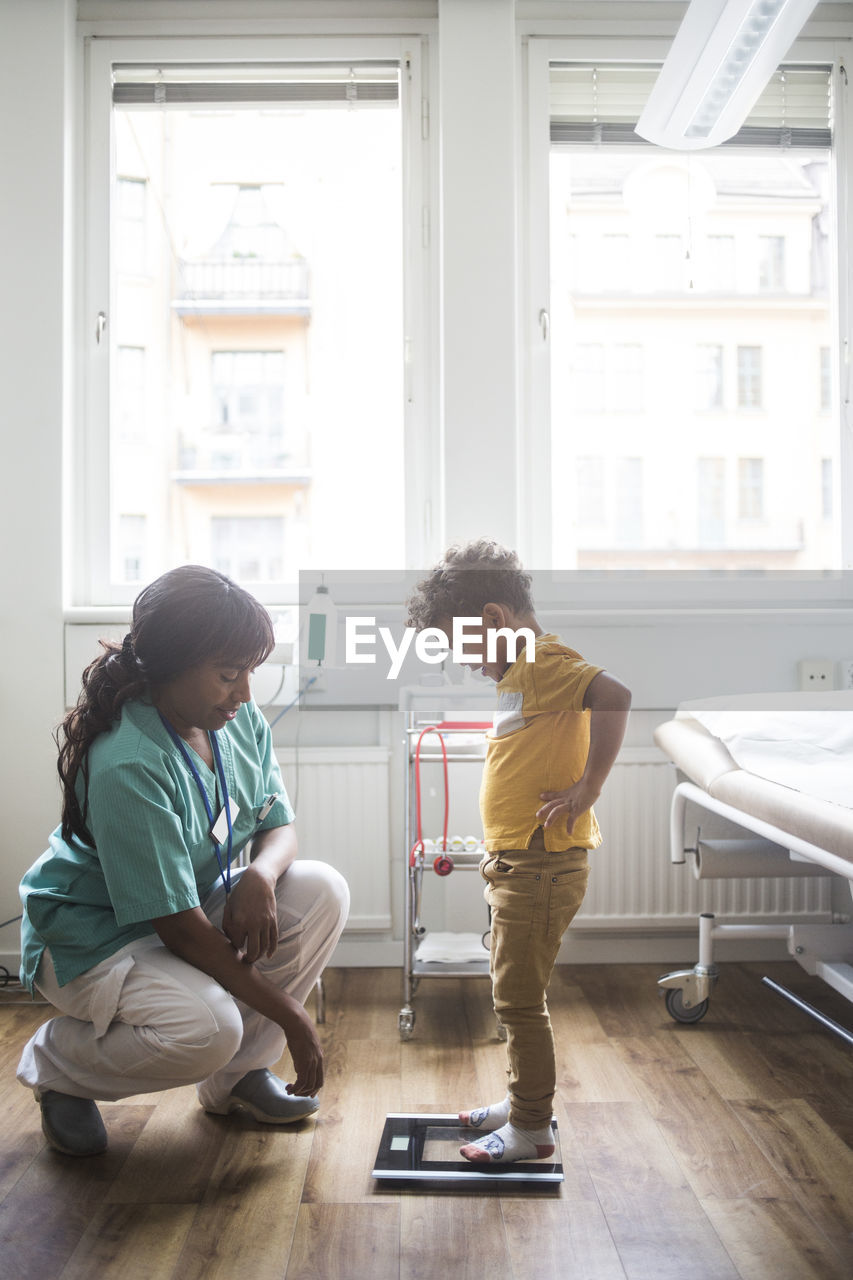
(501, 1031)
(677, 1009)
(406, 1023)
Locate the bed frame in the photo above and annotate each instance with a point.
(773, 825)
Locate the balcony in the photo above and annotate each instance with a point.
(242, 286)
(232, 458)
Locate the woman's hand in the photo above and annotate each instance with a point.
(190, 935)
(306, 1052)
(250, 920)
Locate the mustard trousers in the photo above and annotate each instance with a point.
(533, 896)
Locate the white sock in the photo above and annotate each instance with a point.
(507, 1144)
(487, 1118)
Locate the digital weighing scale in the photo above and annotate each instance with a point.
(425, 1149)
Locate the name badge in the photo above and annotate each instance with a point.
(219, 830)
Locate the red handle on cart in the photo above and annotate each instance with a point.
(463, 724)
(418, 846)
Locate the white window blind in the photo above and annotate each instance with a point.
(171, 85)
(599, 104)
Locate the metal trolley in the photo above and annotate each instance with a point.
(436, 739)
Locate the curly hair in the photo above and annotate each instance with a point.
(186, 617)
(467, 579)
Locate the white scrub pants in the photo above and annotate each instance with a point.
(144, 1020)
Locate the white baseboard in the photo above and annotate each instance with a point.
(580, 947)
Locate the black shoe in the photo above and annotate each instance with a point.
(72, 1125)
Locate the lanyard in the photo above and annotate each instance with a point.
(225, 872)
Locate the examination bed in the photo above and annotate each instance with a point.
(766, 789)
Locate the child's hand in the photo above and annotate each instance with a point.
(567, 805)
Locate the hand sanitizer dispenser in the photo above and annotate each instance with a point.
(322, 628)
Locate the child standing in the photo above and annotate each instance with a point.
(557, 729)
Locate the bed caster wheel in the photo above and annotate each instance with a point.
(677, 1009)
(501, 1031)
(406, 1023)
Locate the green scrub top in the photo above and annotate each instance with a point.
(152, 854)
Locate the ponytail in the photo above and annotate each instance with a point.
(112, 679)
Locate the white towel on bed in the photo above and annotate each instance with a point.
(809, 751)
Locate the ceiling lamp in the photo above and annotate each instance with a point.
(723, 55)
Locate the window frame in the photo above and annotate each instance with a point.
(795, 590)
(89, 588)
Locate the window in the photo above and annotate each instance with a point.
(709, 376)
(629, 502)
(248, 548)
(750, 491)
(624, 386)
(608, 378)
(731, 255)
(590, 500)
(589, 377)
(825, 379)
(771, 262)
(826, 488)
(246, 431)
(270, 359)
(749, 377)
(132, 548)
(711, 502)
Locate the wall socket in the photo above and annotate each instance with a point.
(816, 673)
(845, 668)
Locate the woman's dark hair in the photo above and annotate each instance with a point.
(189, 616)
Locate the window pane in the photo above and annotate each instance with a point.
(750, 497)
(749, 377)
(695, 400)
(720, 264)
(771, 262)
(826, 488)
(709, 376)
(711, 501)
(132, 549)
(825, 358)
(248, 548)
(268, 419)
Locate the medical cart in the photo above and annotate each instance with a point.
(437, 736)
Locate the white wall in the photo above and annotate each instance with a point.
(36, 43)
(478, 178)
(479, 172)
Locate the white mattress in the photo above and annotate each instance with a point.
(809, 751)
(790, 765)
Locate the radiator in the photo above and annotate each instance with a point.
(342, 801)
(635, 885)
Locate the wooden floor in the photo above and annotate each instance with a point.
(716, 1151)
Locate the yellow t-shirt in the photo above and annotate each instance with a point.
(539, 742)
